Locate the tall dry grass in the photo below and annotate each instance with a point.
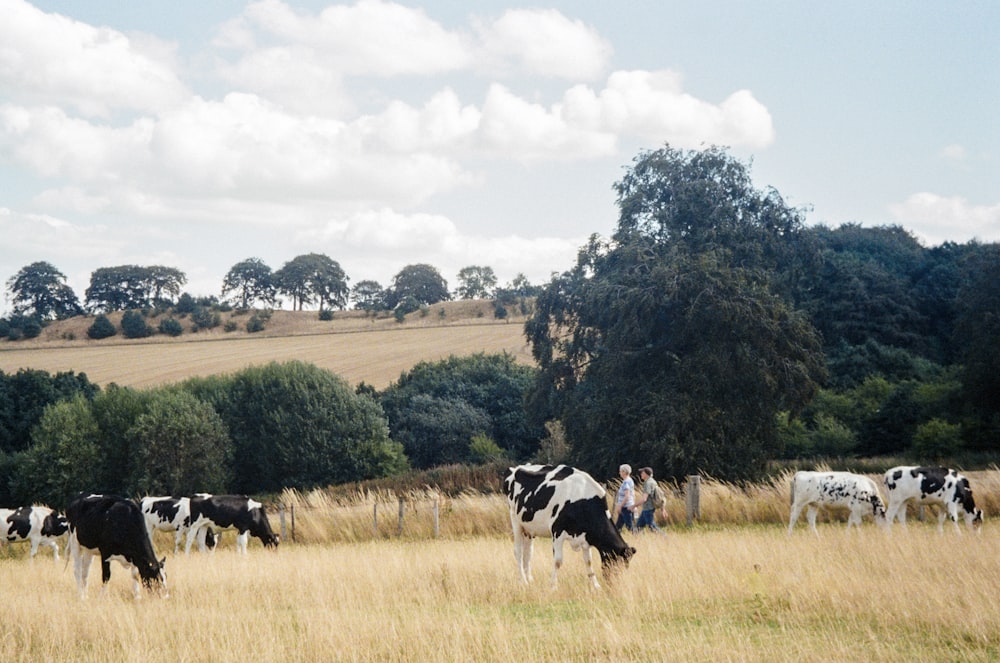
(721, 594)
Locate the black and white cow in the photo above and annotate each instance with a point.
(856, 492)
(167, 514)
(568, 505)
(939, 486)
(38, 524)
(238, 512)
(113, 528)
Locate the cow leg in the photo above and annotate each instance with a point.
(796, 510)
(54, 546)
(178, 536)
(590, 568)
(811, 517)
(557, 559)
(81, 565)
(105, 574)
(35, 540)
(241, 541)
(192, 533)
(854, 517)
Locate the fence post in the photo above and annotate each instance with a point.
(375, 520)
(692, 498)
(437, 527)
(293, 523)
(400, 533)
(281, 519)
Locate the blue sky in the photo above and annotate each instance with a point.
(198, 134)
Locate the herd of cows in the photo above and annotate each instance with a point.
(554, 501)
(569, 506)
(118, 529)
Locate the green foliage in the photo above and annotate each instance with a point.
(482, 449)
(24, 395)
(476, 282)
(446, 399)
(313, 278)
(64, 458)
(132, 287)
(134, 325)
(296, 425)
(422, 282)
(171, 327)
(257, 321)
(101, 328)
(937, 439)
(203, 317)
(39, 290)
(554, 449)
(249, 281)
(326, 315)
(185, 304)
(180, 446)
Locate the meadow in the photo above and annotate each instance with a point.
(732, 587)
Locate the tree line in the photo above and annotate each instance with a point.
(714, 332)
(39, 293)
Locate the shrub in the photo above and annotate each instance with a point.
(482, 449)
(134, 325)
(185, 304)
(4, 327)
(102, 328)
(937, 439)
(230, 326)
(31, 328)
(256, 323)
(326, 314)
(205, 318)
(171, 327)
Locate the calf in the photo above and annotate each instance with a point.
(113, 528)
(37, 524)
(938, 486)
(565, 504)
(238, 512)
(843, 489)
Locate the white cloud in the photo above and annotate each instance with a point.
(543, 42)
(936, 219)
(48, 58)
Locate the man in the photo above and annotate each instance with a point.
(647, 517)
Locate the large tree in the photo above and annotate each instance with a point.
(421, 282)
(313, 277)
(669, 344)
(249, 281)
(132, 287)
(476, 282)
(40, 290)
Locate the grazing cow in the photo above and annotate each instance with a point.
(939, 486)
(112, 527)
(38, 524)
(238, 512)
(167, 514)
(565, 504)
(844, 489)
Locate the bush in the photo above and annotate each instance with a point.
(326, 314)
(205, 318)
(256, 323)
(102, 328)
(4, 327)
(134, 325)
(230, 326)
(185, 304)
(937, 439)
(171, 327)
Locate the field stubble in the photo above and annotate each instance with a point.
(710, 592)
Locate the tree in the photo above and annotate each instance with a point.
(249, 281)
(102, 327)
(132, 287)
(369, 296)
(40, 290)
(476, 282)
(180, 446)
(163, 281)
(134, 325)
(26, 394)
(313, 277)
(422, 282)
(669, 343)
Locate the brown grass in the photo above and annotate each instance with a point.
(355, 346)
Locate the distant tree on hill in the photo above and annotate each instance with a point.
(132, 287)
(313, 277)
(369, 296)
(249, 281)
(40, 290)
(476, 282)
(422, 282)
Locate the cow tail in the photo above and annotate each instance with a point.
(791, 500)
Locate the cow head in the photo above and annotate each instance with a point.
(261, 528)
(55, 524)
(878, 512)
(616, 560)
(152, 575)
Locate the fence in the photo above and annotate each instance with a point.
(315, 518)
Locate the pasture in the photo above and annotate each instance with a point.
(734, 587)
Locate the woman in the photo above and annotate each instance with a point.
(625, 499)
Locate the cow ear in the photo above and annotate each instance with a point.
(163, 561)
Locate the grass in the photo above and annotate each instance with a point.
(733, 593)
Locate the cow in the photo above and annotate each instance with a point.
(112, 527)
(568, 505)
(167, 514)
(238, 512)
(839, 489)
(37, 524)
(938, 486)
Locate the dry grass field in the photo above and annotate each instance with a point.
(707, 593)
(355, 346)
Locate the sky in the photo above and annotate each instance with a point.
(197, 134)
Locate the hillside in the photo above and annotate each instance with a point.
(353, 345)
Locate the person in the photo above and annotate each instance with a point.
(647, 517)
(625, 499)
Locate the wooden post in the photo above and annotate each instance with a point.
(437, 527)
(692, 498)
(281, 520)
(293, 523)
(400, 533)
(375, 520)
